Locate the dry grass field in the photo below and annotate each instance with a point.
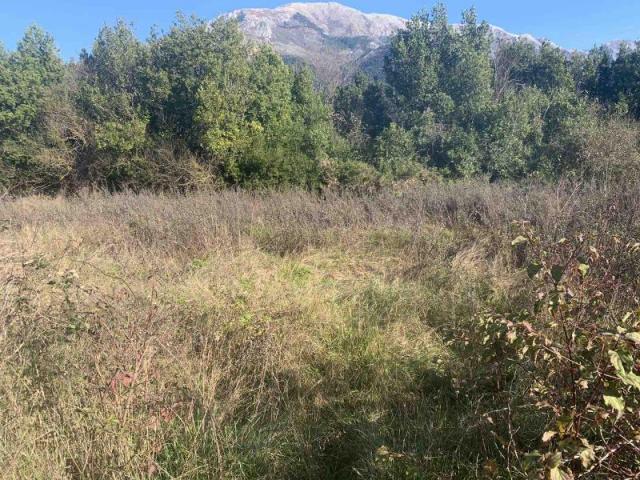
(235, 335)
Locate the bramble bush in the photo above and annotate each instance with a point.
(569, 362)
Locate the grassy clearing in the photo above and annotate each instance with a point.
(243, 336)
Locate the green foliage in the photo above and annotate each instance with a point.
(348, 105)
(222, 117)
(510, 113)
(546, 68)
(121, 139)
(613, 81)
(441, 80)
(566, 118)
(415, 60)
(573, 356)
(234, 111)
(312, 116)
(28, 78)
(116, 61)
(192, 54)
(202, 105)
(517, 128)
(395, 153)
(351, 174)
(275, 135)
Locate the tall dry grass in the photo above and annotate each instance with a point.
(260, 335)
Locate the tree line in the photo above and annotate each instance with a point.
(453, 102)
(199, 105)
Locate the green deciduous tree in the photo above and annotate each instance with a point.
(192, 54)
(394, 153)
(28, 78)
(473, 107)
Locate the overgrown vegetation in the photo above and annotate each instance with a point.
(422, 332)
(199, 106)
(195, 107)
(348, 310)
(450, 104)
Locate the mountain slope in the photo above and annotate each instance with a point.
(335, 40)
(331, 38)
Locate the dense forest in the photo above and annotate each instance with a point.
(199, 106)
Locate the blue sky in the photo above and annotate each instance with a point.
(570, 23)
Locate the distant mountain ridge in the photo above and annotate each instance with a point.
(617, 45)
(333, 39)
(330, 18)
(336, 40)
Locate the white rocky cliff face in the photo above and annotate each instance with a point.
(333, 39)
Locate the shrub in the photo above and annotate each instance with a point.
(612, 150)
(570, 361)
(350, 174)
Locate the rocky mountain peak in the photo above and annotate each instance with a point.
(333, 39)
(327, 18)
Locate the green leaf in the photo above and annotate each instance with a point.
(634, 337)
(563, 423)
(559, 474)
(628, 378)
(587, 457)
(584, 269)
(557, 272)
(617, 403)
(632, 380)
(519, 241)
(533, 269)
(616, 361)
